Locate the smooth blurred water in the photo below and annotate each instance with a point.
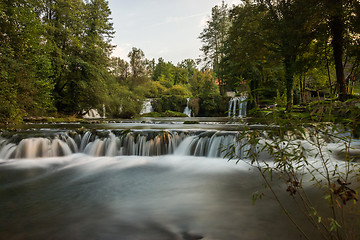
(135, 197)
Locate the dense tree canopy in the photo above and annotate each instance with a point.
(54, 56)
(292, 45)
(55, 59)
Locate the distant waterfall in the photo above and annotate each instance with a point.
(187, 110)
(147, 106)
(237, 107)
(137, 142)
(92, 113)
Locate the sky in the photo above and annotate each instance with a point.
(161, 28)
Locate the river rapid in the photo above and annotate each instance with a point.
(134, 180)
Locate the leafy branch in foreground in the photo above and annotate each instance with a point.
(315, 166)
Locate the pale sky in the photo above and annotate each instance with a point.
(161, 28)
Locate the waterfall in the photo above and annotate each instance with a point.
(104, 111)
(187, 110)
(36, 147)
(147, 106)
(237, 107)
(93, 113)
(136, 142)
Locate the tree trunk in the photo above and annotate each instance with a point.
(328, 70)
(303, 88)
(289, 77)
(252, 104)
(337, 31)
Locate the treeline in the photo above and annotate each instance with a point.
(168, 84)
(285, 49)
(55, 60)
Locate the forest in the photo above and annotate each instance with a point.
(56, 59)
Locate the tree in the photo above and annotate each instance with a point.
(164, 73)
(214, 36)
(25, 67)
(95, 58)
(79, 34)
(120, 69)
(335, 10)
(246, 55)
(190, 66)
(137, 62)
(290, 34)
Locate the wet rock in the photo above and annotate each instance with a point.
(191, 236)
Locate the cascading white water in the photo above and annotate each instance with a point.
(140, 143)
(39, 147)
(147, 106)
(237, 107)
(187, 110)
(93, 113)
(104, 111)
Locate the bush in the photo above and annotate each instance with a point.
(124, 103)
(151, 114)
(213, 106)
(154, 89)
(173, 114)
(170, 103)
(178, 90)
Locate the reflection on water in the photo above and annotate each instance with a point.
(132, 197)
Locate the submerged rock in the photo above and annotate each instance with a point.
(191, 236)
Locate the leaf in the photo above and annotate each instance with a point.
(334, 225)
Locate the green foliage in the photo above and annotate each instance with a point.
(169, 113)
(83, 84)
(178, 90)
(137, 63)
(190, 66)
(176, 103)
(269, 46)
(120, 69)
(26, 86)
(124, 103)
(212, 105)
(214, 35)
(54, 52)
(151, 114)
(155, 89)
(55, 57)
(280, 100)
(168, 74)
(301, 157)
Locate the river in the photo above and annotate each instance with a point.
(146, 180)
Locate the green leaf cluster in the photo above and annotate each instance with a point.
(54, 57)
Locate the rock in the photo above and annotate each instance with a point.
(191, 236)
